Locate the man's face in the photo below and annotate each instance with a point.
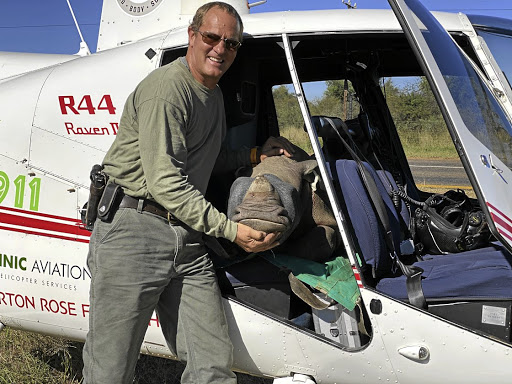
(208, 62)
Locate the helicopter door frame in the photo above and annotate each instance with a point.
(299, 92)
(482, 166)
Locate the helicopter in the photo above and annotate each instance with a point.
(421, 320)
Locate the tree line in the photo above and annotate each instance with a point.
(412, 105)
(415, 112)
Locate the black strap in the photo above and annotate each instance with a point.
(412, 273)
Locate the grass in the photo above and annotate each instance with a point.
(428, 145)
(30, 358)
(297, 136)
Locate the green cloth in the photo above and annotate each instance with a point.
(334, 278)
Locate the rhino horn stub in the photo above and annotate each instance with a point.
(262, 189)
(261, 184)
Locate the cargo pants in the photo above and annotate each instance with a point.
(139, 262)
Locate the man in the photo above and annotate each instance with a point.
(150, 254)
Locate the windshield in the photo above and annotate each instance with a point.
(499, 44)
(481, 113)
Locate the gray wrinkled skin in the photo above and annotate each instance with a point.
(278, 197)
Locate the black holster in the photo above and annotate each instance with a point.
(98, 181)
(109, 202)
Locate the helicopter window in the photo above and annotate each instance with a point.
(289, 117)
(172, 54)
(481, 113)
(431, 154)
(498, 43)
(325, 98)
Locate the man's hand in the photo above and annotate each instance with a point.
(251, 240)
(276, 146)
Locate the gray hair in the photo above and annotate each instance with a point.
(197, 21)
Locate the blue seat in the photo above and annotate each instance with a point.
(479, 274)
(370, 236)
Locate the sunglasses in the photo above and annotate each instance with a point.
(213, 39)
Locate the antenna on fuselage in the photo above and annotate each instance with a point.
(349, 5)
(84, 48)
(256, 3)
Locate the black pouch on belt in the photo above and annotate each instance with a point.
(110, 201)
(98, 181)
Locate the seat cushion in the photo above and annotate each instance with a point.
(484, 273)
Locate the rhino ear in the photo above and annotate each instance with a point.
(308, 167)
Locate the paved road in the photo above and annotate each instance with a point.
(439, 174)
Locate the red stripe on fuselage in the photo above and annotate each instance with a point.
(34, 223)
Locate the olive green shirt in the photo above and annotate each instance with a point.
(169, 138)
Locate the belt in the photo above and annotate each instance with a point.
(148, 206)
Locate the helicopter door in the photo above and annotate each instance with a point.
(481, 132)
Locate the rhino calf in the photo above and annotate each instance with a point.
(283, 195)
